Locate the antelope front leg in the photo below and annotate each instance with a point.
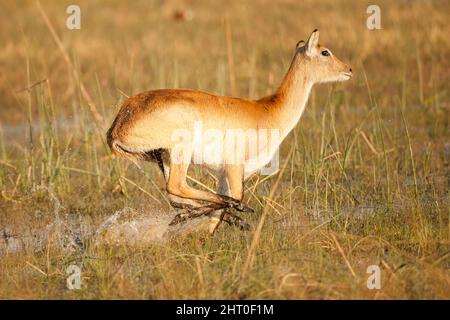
(235, 178)
(231, 183)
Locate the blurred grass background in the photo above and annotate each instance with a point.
(366, 182)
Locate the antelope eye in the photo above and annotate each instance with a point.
(325, 53)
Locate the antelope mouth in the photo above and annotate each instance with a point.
(347, 75)
(344, 76)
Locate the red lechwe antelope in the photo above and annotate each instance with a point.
(149, 124)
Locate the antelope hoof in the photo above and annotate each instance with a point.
(237, 221)
(236, 204)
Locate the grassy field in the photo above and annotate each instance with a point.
(366, 172)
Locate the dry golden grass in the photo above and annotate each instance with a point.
(366, 172)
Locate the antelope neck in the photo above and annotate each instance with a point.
(290, 100)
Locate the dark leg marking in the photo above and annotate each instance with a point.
(156, 155)
(235, 220)
(236, 204)
(193, 212)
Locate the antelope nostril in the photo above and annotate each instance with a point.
(351, 70)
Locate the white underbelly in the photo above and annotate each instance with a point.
(254, 150)
(212, 156)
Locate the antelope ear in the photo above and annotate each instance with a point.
(301, 43)
(312, 42)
